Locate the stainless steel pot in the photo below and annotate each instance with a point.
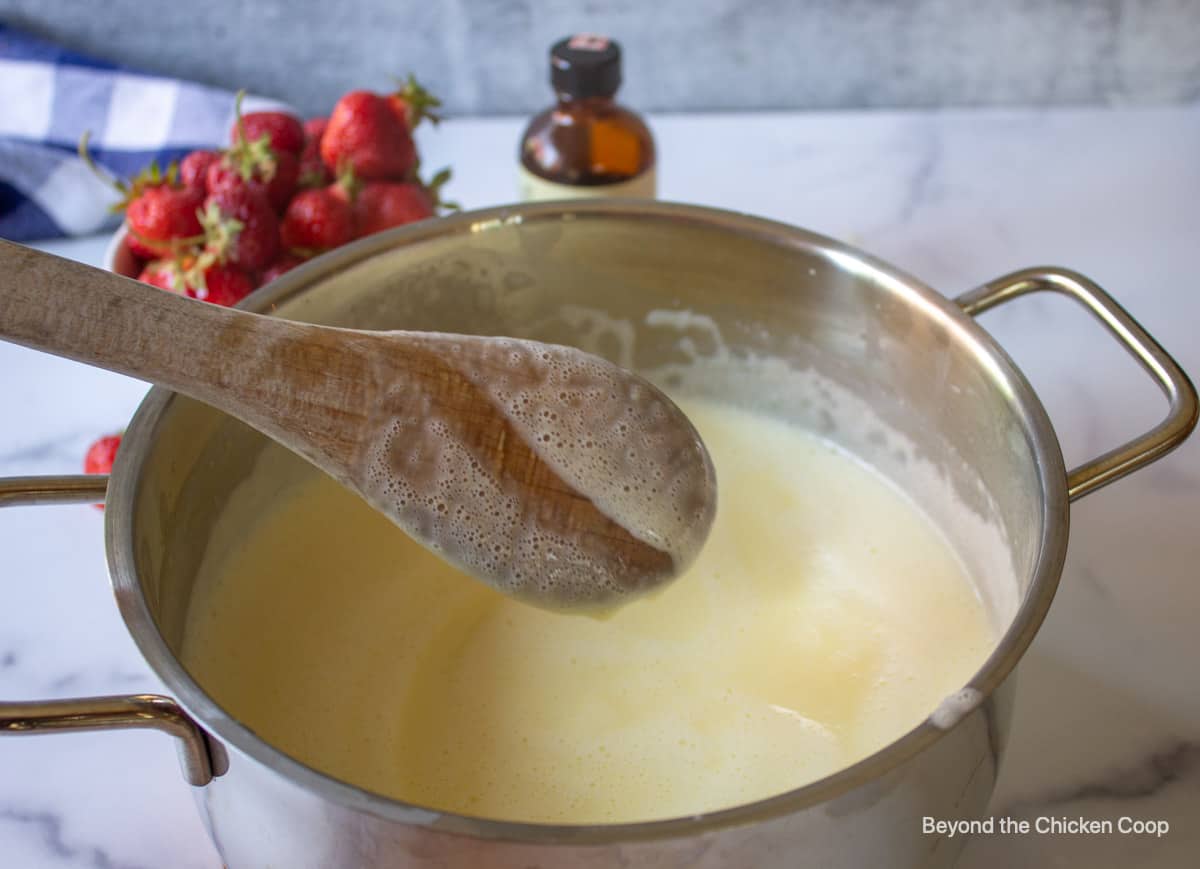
(920, 362)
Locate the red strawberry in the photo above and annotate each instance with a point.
(254, 161)
(318, 219)
(193, 171)
(314, 128)
(160, 215)
(161, 218)
(285, 263)
(199, 277)
(164, 274)
(283, 131)
(313, 171)
(282, 186)
(273, 173)
(413, 103)
(240, 226)
(222, 285)
(366, 134)
(381, 205)
(100, 456)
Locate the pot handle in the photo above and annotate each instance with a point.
(1142, 450)
(153, 711)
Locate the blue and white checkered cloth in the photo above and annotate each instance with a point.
(49, 96)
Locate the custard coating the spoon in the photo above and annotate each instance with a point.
(544, 471)
(553, 474)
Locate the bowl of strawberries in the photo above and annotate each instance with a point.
(221, 223)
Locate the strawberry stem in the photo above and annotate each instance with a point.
(237, 111)
(193, 273)
(220, 232)
(434, 187)
(150, 176)
(420, 102)
(348, 181)
(116, 183)
(173, 267)
(250, 157)
(311, 178)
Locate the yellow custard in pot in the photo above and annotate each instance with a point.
(824, 618)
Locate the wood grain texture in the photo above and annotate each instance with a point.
(331, 395)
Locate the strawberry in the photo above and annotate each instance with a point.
(199, 277)
(164, 274)
(313, 171)
(282, 185)
(413, 103)
(255, 162)
(273, 174)
(314, 128)
(381, 205)
(367, 135)
(285, 263)
(100, 456)
(283, 131)
(241, 228)
(221, 285)
(161, 219)
(193, 170)
(318, 219)
(159, 214)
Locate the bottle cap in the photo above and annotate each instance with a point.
(586, 65)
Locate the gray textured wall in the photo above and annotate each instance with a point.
(488, 56)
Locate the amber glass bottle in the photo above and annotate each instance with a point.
(586, 145)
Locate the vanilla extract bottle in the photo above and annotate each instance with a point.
(586, 145)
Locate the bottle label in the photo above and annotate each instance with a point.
(588, 42)
(535, 189)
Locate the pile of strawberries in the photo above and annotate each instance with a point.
(222, 223)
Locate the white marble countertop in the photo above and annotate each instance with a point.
(1108, 712)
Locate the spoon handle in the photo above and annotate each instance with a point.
(268, 372)
(93, 316)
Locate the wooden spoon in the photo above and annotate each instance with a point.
(546, 472)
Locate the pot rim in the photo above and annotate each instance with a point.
(1011, 646)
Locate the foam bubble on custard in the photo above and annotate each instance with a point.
(613, 439)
